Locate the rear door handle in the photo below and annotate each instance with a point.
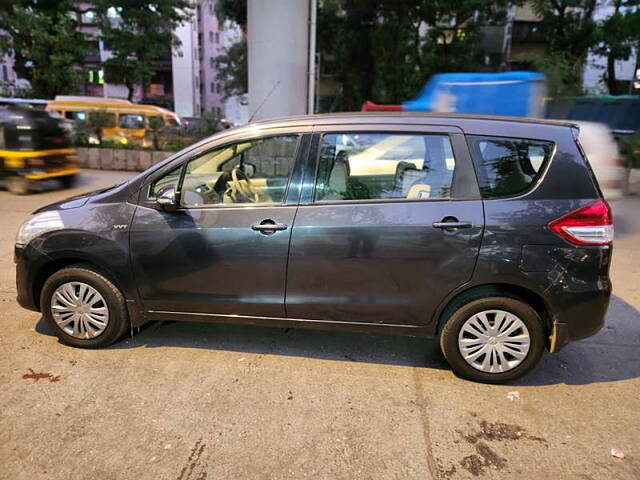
(452, 225)
(268, 226)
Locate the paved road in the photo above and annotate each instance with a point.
(194, 401)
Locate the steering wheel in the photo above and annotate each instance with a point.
(240, 187)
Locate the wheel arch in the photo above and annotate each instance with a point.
(491, 290)
(57, 264)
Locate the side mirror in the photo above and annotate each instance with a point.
(166, 198)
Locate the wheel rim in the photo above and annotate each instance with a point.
(494, 341)
(79, 310)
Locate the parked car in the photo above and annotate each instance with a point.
(488, 233)
(601, 149)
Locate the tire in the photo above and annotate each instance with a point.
(18, 185)
(68, 181)
(109, 296)
(493, 308)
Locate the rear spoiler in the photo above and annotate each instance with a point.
(575, 130)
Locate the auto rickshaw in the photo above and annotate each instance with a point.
(34, 147)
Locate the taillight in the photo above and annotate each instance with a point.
(588, 225)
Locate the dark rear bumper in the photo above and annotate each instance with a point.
(581, 315)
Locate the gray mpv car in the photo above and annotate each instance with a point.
(490, 233)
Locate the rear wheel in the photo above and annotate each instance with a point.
(18, 185)
(493, 340)
(83, 307)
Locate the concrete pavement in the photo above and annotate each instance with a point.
(194, 401)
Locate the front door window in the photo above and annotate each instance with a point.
(249, 172)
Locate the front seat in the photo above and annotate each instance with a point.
(403, 169)
(336, 185)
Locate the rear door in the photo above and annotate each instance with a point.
(390, 222)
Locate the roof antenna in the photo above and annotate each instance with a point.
(263, 101)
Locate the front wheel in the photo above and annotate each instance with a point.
(493, 340)
(83, 307)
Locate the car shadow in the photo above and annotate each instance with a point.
(609, 356)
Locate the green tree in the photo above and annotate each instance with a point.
(572, 32)
(139, 34)
(155, 125)
(232, 69)
(616, 37)
(234, 11)
(99, 120)
(385, 51)
(43, 39)
(559, 70)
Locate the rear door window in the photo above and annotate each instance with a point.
(378, 166)
(508, 166)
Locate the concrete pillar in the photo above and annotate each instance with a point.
(185, 68)
(278, 41)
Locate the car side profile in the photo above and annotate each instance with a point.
(489, 233)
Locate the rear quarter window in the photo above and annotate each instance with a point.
(508, 166)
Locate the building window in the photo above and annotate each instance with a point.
(217, 88)
(88, 17)
(217, 37)
(210, 8)
(211, 37)
(212, 62)
(212, 87)
(5, 73)
(96, 76)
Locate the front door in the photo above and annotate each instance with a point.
(224, 251)
(392, 226)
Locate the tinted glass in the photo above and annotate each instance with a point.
(131, 120)
(76, 115)
(371, 166)
(508, 166)
(256, 171)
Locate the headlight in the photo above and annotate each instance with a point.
(37, 225)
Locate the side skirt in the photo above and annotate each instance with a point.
(383, 328)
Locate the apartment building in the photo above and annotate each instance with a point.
(186, 77)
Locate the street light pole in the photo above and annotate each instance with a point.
(311, 74)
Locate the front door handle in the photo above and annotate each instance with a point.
(268, 226)
(447, 225)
